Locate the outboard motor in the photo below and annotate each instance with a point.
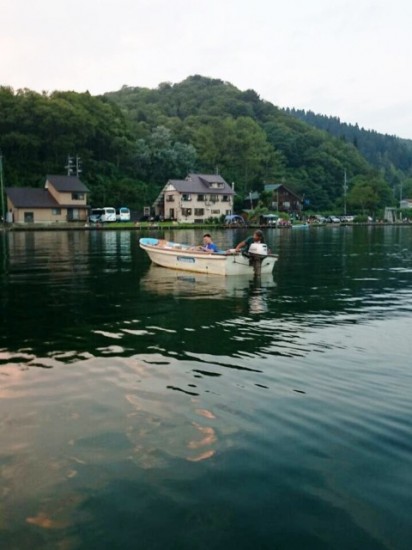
(257, 253)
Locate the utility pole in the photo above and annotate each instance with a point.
(3, 214)
(345, 188)
(73, 165)
(78, 166)
(69, 166)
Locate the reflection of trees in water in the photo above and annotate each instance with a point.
(331, 270)
(103, 282)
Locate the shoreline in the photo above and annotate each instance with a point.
(150, 227)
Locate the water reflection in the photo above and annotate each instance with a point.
(124, 385)
(163, 281)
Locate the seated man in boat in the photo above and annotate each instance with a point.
(208, 244)
(245, 245)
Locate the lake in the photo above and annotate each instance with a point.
(146, 408)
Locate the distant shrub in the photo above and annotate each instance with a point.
(361, 218)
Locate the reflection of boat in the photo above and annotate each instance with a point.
(200, 285)
(186, 258)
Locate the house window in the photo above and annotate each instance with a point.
(170, 198)
(214, 198)
(56, 211)
(216, 212)
(186, 197)
(216, 185)
(186, 212)
(77, 196)
(28, 217)
(199, 211)
(200, 198)
(225, 198)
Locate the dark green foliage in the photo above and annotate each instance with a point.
(38, 131)
(388, 153)
(249, 141)
(133, 141)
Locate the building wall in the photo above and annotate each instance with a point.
(189, 211)
(65, 198)
(282, 200)
(42, 215)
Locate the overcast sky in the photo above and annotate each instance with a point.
(346, 58)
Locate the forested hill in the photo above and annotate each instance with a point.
(133, 140)
(383, 151)
(249, 140)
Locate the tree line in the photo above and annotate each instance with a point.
(134, 140)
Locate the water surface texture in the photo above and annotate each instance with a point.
(146, 408)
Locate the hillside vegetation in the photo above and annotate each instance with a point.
(132, 141)
(388, 153)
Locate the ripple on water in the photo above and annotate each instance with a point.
(263, 416)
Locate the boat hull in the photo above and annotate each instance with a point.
(177, 256)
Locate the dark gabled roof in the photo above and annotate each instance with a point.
(205, 180)
(67, 184)
(183, 186)
(272, 186)
(197, 183)
(27, 197)
(275, 186)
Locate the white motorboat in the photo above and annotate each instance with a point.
(188, 258)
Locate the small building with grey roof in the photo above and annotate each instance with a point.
(62, 199)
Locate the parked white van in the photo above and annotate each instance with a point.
(123, 214)
(105, 214)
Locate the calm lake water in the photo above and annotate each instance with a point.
(145, 408)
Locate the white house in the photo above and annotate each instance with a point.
(195, 199)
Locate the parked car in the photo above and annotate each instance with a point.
(101, 215)
(122, 214)
(316, 219)
(332, 219)
(269, 219)
(95, 215)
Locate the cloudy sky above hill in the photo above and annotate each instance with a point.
(346, 58)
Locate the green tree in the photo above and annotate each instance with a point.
(159, 158)
(363, 198)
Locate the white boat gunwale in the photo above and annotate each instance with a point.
(187, 258)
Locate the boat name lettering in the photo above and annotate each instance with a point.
(186, 259)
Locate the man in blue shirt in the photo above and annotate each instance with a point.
(208, 244)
